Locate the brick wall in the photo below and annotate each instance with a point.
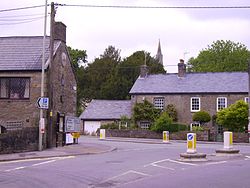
(22, 140)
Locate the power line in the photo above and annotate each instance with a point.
(22, 22)
(157, 7)
(21, 8)
(21, 15)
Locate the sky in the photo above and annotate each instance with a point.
(183, 33)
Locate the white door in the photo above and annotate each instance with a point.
(90, 127)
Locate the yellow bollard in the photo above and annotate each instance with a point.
(165, 136)
(191, 143)
(102, 134)
(228, 140)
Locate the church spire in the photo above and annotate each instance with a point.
(159, 56)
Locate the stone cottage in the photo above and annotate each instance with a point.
(191, 92)
(20, 82)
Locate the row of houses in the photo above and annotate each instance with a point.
(187, 92)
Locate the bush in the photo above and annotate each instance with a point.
(170, 109)
(235, 117)
(110, 126)
(202, 117)
(197, 128)
(176, 127)
(162, 123)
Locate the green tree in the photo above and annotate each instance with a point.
(145, 111)
(221, 56)
(77, 56)
(235, 117)
(202, 117)
(163, 123)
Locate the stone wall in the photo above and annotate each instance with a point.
(182, 135)
(22, 140)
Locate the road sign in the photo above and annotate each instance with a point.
(190, 137)
(43, 102)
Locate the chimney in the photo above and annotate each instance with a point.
(144, 71)
(60, 31)
(181, 68)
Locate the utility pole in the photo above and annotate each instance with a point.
(50, 75)
(41, 122)
(248, 130)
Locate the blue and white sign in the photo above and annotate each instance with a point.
(43, 102)
(190, 137)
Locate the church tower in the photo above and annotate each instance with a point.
(159, 56)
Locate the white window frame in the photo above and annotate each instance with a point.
(246, 99)
(159, 102)
(144, 124)
(196, 124)
(217, 103)
(192, 105)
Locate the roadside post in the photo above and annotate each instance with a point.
(191, 143)
(228, 140)
(228, 145)
(102, 134)
(165, 136)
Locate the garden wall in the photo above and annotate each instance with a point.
(25, 139)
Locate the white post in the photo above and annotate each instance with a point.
(102, 134)
(191, 143)
(165, 136)
(40, 141)
(228, 140)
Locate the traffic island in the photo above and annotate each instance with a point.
(228, 146)
(191, 154)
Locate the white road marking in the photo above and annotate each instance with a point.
(179, 162)
(248, 157)
(128, 172)
(18, 168)
(159, 166)
(215, 163)
(46, 162)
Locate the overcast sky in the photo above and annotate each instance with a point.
(181, 31)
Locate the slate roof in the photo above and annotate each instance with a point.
(220, 82)
(107, 110)
(23, 52)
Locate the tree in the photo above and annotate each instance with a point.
(145, 111)
(235, 117)
(202, 117)
(221, 56)
(77, 56)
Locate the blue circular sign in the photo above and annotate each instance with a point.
(190, 137)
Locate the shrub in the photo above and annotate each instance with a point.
(202, 117)
(162, 123)
(197, 128)
(235, 117)
(175, 127)
(110, 126)
(170, 109)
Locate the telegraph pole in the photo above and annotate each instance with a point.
(41, 122)
(50, 75)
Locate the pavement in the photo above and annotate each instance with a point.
(85, 148)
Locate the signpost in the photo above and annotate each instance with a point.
(191, 143)
(43, 102)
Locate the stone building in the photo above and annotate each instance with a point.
(20, 81)
(191, 92)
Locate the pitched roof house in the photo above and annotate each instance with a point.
(101, 112)
(191, 92)
(20, 80)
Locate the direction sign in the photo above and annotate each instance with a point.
(190, 137)
(43, 102)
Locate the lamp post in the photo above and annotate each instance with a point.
(41, 122)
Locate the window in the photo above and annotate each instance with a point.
(246, 100)
(195, 104)
(14, 88)
(194, 124)
(221, 103)
(144, 124)
(159, 102)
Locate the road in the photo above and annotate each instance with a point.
(131, 165)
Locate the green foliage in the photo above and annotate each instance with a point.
(172, 112)
(235, 117)
(197, 128)
(110, 126)
(202, 117)
(221, 56)
(163, 123)
(145, 111)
